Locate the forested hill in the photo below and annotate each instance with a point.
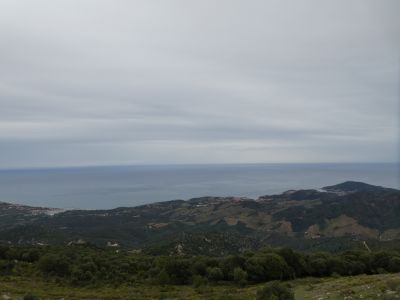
(332, 218)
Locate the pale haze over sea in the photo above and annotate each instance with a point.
(110, 187)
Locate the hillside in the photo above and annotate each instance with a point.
(384, 286)
(334, 218)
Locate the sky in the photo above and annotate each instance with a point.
(93, 82)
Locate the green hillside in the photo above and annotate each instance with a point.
(343, 217)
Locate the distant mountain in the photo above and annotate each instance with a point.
(332, 219)
(13, 215)
(355, 186)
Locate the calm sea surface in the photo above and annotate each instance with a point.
(110, 187)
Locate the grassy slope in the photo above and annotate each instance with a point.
(357, 287)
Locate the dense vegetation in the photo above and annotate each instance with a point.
(334, 221)
(91, 266)
(207, 248)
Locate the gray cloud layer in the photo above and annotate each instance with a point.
(114, 82)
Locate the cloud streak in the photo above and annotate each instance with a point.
(101, 82)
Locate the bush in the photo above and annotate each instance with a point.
(295, 261)
(225, 297)
(215, 274)
(95, 266)
(275, 290)
(30, 256)
(228, 265)
(240, 276)
(199, 268)
(394, 264)
(267, 267)
(335, 265)
(80, 276)
(162, 278)
(380, 260)
(319, 267)
(178, 271)
(393, 284)
(30, 297)
(6, 267)
(51, 264)
(3, 252)
(199, 281)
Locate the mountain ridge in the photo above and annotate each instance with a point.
(346, 211)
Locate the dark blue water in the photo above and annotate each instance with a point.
(109, 187)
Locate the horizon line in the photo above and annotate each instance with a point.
(32, 168)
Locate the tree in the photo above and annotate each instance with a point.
(266, 267)
(296, 263)
(336, 265)
(229, 264)
(178, 271)
(394, 264)
(380, 260)
(3, 252)
(240, 276)
(51, 264)
(215, 274)
(31, 255)
(199, 268)
(6, 267)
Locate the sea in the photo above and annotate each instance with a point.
(126, 186)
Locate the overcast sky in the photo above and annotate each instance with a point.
(148, 82)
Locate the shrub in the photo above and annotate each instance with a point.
(3, 252)
(199, 281)
(295, 262)
(225, 297)
(30, 297)
(228, 265)
(51, 264)
(319, 267)
(199, 268)
(275, 290)
(178, 271)
(215, 274)
(393, 284)
(394, 264)
(240, 276)
(267, 267)
(162, 278)
(336, 265)
(80, 276)
(6, 267)
(381, 271)
(380, 260)
(30, 256)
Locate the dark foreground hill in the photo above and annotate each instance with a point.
(334, 218)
